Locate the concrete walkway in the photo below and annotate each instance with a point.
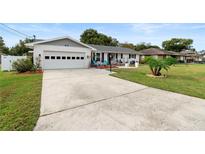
(90, 99)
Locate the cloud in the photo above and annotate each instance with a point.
(198, 26)
(148, 28)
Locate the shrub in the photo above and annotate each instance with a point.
(23, 65)
(156, 65)
(142, 61)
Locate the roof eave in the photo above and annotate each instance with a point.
(59, 38)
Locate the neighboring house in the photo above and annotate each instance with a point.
(190, 56)
(158, 53)
(202, 57)
(66, 52)
(186, 56)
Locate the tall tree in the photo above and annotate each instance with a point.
(91, 36)
(128, 45)
(20, 48)
(3, 48)
(143, 45)
(177, 44)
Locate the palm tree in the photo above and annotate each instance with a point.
(156, 65)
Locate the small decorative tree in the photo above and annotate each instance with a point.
(156, 65)
(38, 63)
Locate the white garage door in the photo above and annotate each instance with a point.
(61, 60)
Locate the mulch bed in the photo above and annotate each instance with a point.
(32, 72)
(107, 66)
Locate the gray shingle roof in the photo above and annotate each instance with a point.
(188, 52)
(156, 51)
(113, 49)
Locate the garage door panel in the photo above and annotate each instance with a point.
(62, 60)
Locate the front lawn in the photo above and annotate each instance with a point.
(185, 79)
(19, 100)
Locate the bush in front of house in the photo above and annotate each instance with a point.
(156, 65)
(23, 65)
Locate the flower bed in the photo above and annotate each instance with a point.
(106, 66)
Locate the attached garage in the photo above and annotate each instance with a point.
(62, 60)
(61, 53)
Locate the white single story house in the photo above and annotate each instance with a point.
(66, 52)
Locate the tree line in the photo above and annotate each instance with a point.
(17, 50)
(92, 36)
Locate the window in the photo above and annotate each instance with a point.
(58, 57)
(68, 57)
(47, 57)
(77, 57)
(121, 55)
(53, 57)
(82, 58)
(73, 57)
(132, 56)
(97, 56)
(64, 57)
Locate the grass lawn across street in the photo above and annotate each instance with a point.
(19, 100)
(188, 79)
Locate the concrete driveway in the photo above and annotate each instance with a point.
(90, 99)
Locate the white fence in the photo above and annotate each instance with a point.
(7, 61)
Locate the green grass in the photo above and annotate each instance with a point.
(185, 79)
(19, 100)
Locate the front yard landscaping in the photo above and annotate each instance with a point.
(188, 79)
(19, 100)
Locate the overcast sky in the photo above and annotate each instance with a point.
(134, 33)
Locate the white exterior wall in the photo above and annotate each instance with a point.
(181, 57)
(64, 42)
(137, 58)
(119, 57)
(125, 57)
(39, 49)
(105, 56)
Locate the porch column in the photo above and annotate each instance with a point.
(119, 57)
(105, 56)
(92, 56)
(100, 56)
(137, 59)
